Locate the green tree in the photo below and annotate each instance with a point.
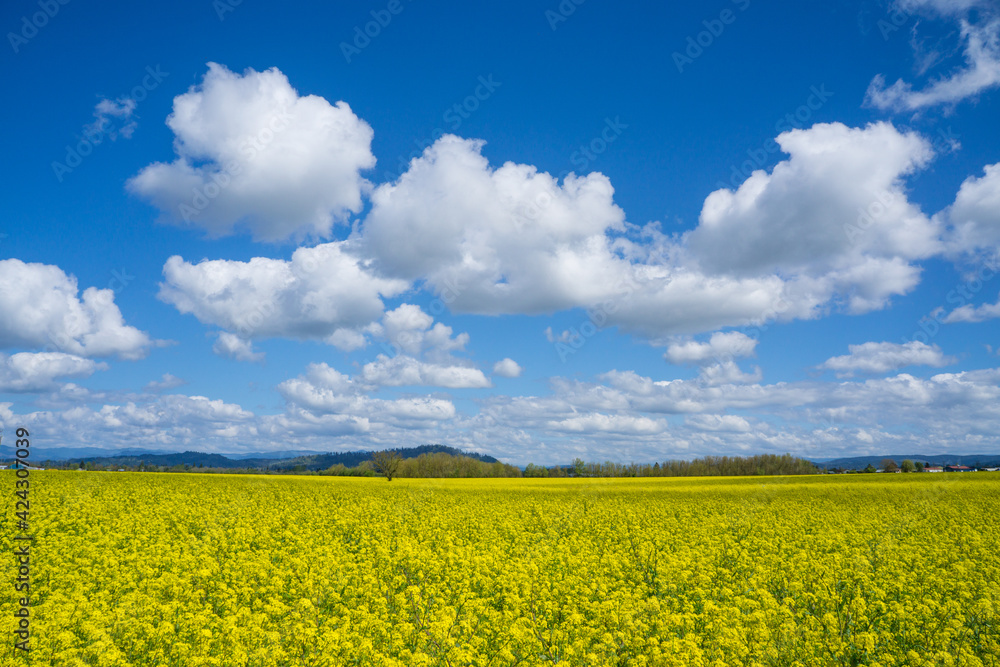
(532, 470)
(869, 468)
(907, 466)
(386, 463)
(919, 465)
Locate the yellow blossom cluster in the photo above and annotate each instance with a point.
(191, 570)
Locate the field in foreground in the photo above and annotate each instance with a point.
(144, 569)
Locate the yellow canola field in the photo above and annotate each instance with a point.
(188, 570)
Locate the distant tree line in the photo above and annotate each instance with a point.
(425, 465)
(708, 466)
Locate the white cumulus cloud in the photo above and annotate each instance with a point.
(319, 294)
(507, 368)
(323, 392)
(721, 346)
(885, 357)
(252, 153)
(975, 214)
(402, 371)
(231, 346)
(409, 330)
(494, 240)
(833, 218)
(37, 371)
(40, 307)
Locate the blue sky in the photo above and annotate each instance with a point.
(540, 230)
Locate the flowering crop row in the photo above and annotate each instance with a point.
(188, 570)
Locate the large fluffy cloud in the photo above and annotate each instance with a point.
(320, 291)
(40, 307)
(252, 152)
(494, 241)
(830, 224)
(975, 215)
(37, 371)
(834, 217)
(514, 240)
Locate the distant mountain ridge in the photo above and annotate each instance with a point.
(72, 453)
(860, 462)
(265, 461)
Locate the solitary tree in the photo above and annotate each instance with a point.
(907, 466)
(869, 468)
(889, 465)
(918, 466)
(387, 463)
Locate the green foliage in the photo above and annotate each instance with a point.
(432, 465)
(531, 470)
(709, 466)
(386, 463)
